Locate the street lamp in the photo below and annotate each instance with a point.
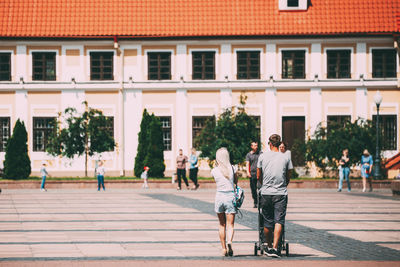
(377, 164)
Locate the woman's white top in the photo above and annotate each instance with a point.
(223, 184)
(101, 171)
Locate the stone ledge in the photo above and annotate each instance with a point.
(208, 184)
(396, 188)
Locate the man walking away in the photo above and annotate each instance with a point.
(251, 169)
(276, 170)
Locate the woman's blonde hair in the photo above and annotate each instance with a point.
(223, 162)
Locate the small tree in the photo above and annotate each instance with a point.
(17, 164)
(234, 129)
(325, 147)
(84, 134)
(143, 143)
(155, 154)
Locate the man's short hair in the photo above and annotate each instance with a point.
(274, 140)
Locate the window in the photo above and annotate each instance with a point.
(5, 66)
(159, 66)
(198, 124)
(44, 66)
(258, 126)
(388, 128)
(110, 125)
(293, 64)
(336, 121)
(383, 63)
(338, 64)
(101, 66)
(166, 128)
(248, 65)
(293, 3)
(42, 127)
(4, 132)
(203, 65)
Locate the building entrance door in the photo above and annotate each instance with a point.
(293, 128)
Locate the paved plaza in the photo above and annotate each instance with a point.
(165, 227)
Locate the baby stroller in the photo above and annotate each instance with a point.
(260, 245)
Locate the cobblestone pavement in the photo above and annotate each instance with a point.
(172, 228)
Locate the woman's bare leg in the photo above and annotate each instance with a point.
(364, 182)
(222, 226)
(230, 221)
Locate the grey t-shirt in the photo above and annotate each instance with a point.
(252, 158)
(274, 166)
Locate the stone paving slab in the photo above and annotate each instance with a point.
(165, 226)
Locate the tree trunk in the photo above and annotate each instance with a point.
(86, 162)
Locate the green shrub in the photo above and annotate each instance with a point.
(155, 154)
(17, 164)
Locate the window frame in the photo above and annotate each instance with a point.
(90, 65)
(165, 129)
(288, 1)
(216, 62)
(192, 126)
(260, 67)
(325, 57)
(2, 142)
(56, 64)
(171, 63)
(88, 62)
(306, 61)
(396, 139)
(372, 63)
(34, 143)
(259, 127)
(11, 52)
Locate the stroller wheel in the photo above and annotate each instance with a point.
(287, 249)
(255, 249)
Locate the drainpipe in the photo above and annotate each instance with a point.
(121, 108)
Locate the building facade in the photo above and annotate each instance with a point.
(293, 78)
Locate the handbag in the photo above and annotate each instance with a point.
(239, 194)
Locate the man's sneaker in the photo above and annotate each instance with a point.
(273, 253)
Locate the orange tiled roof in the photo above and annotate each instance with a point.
(173, 18)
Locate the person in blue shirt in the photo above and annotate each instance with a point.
(193, 169)
(366, 169)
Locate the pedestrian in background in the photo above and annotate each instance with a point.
(344, 170)
(225, 178)
(193, 169)
(251, 169)
(44, 174)
(100, 176)
(283, 148)
(144, 176)
(366, 169)
(181, 161)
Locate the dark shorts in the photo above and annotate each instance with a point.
(273, 209)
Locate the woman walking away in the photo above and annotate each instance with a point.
(225, 178)
(344, 170)
(100, 176)
(193, 170)
(366, 168)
